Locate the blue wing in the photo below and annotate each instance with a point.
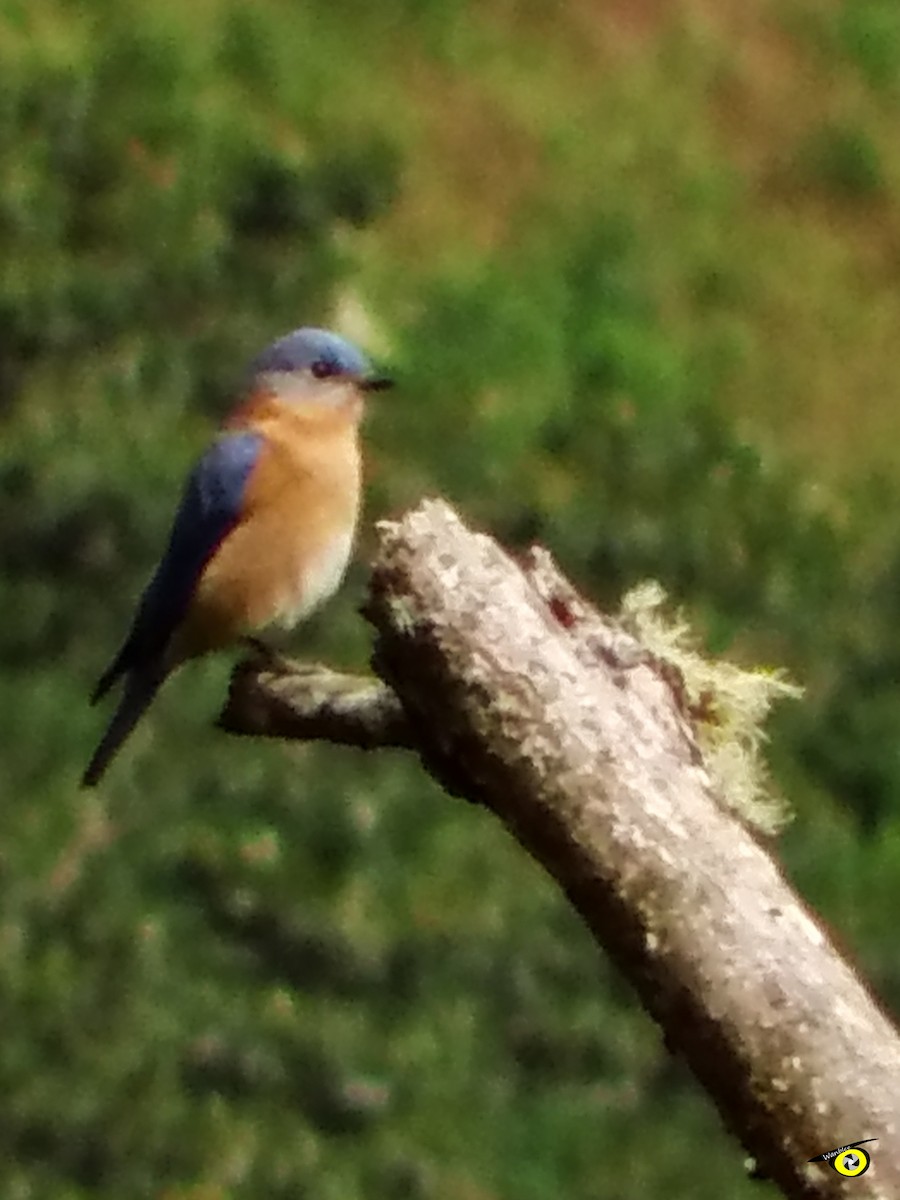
(209, 509)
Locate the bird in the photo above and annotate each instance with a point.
(264, 530)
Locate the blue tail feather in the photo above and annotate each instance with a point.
(140, 688)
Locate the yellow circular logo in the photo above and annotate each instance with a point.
(851, 1162)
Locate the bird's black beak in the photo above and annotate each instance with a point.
(376, 383)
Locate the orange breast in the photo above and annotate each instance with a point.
(289, 551)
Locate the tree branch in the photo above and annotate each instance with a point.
(521, 697)
(277, 697)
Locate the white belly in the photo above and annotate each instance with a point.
(317, 580)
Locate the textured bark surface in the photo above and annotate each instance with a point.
(276, 697)
(519, 696)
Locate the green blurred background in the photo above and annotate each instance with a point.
(636, 267)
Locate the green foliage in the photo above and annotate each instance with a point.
(253, 971)
(842, 158)
(869, 31)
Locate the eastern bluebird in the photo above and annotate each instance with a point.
(265, 526)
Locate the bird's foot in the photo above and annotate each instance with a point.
(260, 649)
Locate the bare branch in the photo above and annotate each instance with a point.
(518, 695)
(276, 697)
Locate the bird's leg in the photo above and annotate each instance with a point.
(261, 649)
(257, 645)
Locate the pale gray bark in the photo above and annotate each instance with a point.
(519, 696)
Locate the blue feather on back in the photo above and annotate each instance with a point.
(210, 508)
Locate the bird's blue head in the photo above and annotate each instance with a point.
(313, 364)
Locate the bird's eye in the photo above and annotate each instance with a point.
(322, 368)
